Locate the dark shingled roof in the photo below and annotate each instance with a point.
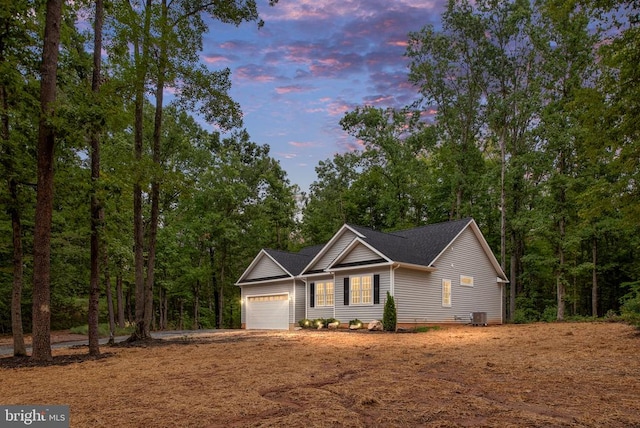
(419, 246)
(294, 262)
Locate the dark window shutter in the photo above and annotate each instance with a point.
(376, 289)
(346, 291)
(312, 295)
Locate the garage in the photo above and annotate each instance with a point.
(268, 312)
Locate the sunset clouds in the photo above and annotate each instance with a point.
(312, 62)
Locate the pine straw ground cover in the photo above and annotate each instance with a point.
(516, 375)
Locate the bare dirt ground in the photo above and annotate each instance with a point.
(540, 375)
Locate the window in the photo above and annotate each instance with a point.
(466, 281)
(361, 290)
(446, 293)
(324, 294)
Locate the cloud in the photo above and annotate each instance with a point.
(255, 73)
(214, 59)
(280, 90)
(302, 144)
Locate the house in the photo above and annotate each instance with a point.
(439, 273)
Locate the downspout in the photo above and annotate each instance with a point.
(306, 296)
(333, 274)
(392, 280)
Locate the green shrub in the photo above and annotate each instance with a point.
(355, 322)
(389, 317)
(525, 315)
(550, 314)
(305, 323)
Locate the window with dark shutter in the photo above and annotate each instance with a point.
(376, 289)
(312, 294)
(346, 291)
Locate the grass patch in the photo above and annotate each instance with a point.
(103, 330)
(426, 329)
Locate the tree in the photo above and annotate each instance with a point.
(44, 203)
(17, 111)
(447, 67)
(97, 213)
(389, 317)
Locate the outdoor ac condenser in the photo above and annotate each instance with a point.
(479, 318)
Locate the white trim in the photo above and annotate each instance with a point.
(370, 276)
(445, 305)
(483, 244)
(262, 253)
(353, 244)
(329, 244)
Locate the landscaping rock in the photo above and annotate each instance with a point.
(333, 325)
(375, 325)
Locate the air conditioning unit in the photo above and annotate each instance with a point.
(479, 318)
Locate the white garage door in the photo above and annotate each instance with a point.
(268, 312)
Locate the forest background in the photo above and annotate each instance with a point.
(528, 122)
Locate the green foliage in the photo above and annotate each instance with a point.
(550, 314)
(630, 309)
(355, 322)
(426, 329)
(389, 317)
(103, 330)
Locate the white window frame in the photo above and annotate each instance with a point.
(446, 293)
(324, 293)
(357, 292)
(466, 281)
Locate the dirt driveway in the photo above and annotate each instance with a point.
(546, 375)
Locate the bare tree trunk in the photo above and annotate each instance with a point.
(44, 201)
(107, 290)
(196, 306)
(594, 278)
(19, 349)
(560, 288)
(181, 321)
(513, 274)
(165, 309)
(142, 316)
(120, 300)
(96, 206)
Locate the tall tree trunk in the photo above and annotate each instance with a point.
(109, 294)
(19, 349)
(155, 183)
(594, 278)
(120, 300)
(196, 306)
(44, 199)
(96, 206)
(560, 285)
(142, 316)
(513, 277)
(165, 309)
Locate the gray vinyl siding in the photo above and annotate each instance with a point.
(265, 268)
(364, 313)
(320, 311)
(337, 247)
(464, 257)
(359, 254)
(276, 287)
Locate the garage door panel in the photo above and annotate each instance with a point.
(268, 312)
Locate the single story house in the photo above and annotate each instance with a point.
(439, 273)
